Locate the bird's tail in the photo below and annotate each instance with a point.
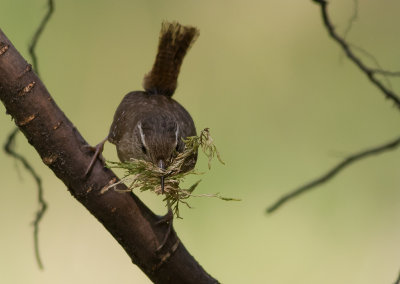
(175, 41)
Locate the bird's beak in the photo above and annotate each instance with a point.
(161, 165)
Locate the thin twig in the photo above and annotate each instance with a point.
(9, 149)
(357, 61)
(38, 33)
(331, 173)
(370, 74)
(352, 19)
(378, 69)
(386, 72)
(9, 145)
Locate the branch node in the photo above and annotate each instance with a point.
(50, 160)
(27, 88)
(3, 48)
(55, 127)
(27, 69)
(27, 120)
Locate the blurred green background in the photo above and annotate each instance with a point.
(283, 104)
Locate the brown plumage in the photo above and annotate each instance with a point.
(150, 125)
(175, 41)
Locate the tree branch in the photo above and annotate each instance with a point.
(352, 19)
(64, 151)
(331, 173)
(370, 73)
(371, 76)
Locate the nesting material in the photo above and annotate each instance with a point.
(144, 175)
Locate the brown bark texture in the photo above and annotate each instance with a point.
(63, 149)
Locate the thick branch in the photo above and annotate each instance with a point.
(64, 151)
(370, 73)
(334, 171)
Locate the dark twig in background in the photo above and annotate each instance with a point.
(350, 54)
(378, 70)
(386, 73)
(9, 149)
(335, 170)
(38, 33)
(352, 19)
(371, 75)
(9, 146)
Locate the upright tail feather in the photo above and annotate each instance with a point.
(175, 41)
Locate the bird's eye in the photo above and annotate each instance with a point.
(144, 150)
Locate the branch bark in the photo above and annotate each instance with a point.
(64, 151)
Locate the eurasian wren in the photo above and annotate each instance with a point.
(150, 125)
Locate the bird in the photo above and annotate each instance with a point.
(150, 125)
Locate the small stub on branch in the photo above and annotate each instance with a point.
(27, 120)
(3, 48)
(28, 88)
(144, 175)
(50, 159)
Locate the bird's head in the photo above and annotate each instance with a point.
(158, 141)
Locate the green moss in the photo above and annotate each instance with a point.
(144, 175)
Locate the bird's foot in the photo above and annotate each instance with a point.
(166, 219)
(98, 149)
